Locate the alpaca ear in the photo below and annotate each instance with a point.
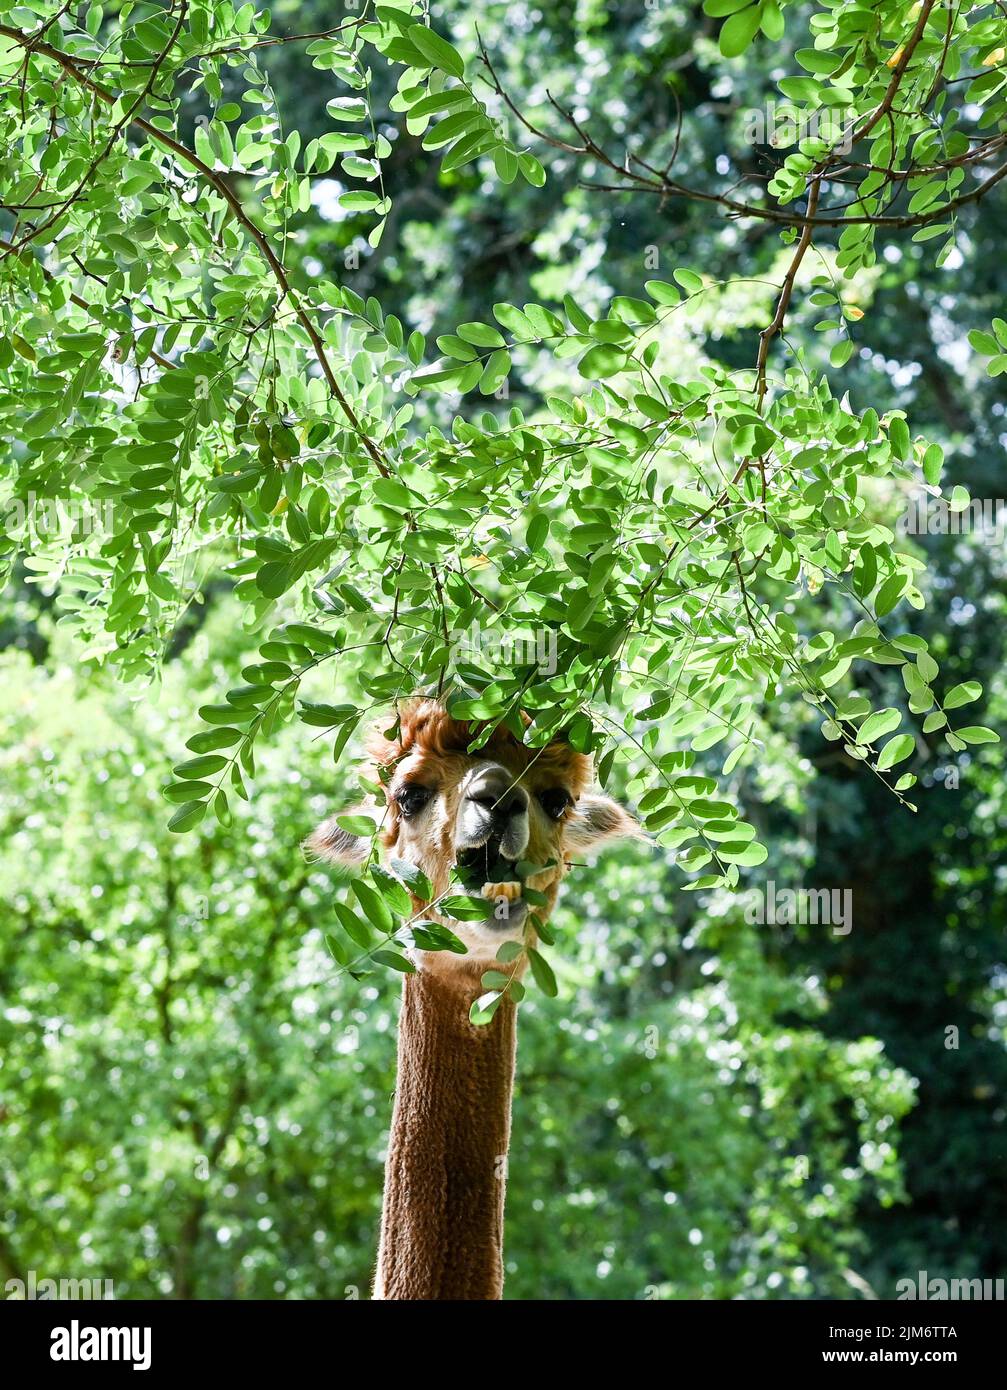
(340, 846)
(597, 819)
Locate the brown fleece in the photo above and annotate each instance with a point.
(442, 1224)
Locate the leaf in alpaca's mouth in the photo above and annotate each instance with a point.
(484, 864)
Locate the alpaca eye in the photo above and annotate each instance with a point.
(555, 801)
(413, 799)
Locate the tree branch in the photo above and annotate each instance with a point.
(220, 186)
(786, 293)
(661, 185)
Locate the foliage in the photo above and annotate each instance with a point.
(632, 520)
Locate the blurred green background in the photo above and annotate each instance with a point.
(194, 1103)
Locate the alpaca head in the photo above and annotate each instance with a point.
(480, 813)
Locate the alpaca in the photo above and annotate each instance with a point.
(479, 813)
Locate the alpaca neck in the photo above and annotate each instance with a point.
(442, 1223)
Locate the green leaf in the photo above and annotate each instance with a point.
(513, 319)
(927, 667)
(495, 373)
(187, 816)
(435, 936)
(436, 50)
(962, 694)
(538, 532)
(933, 462)
(984, 342)
(481, 335)
(393, 961)
(661, 292)
(977, 733)
(898, 435)
(317, 638)
(392, 891)
(347, 109)
(482, 1010)
(506, 163)
(187, 791)
(881, 723)
(690, 280)
(542, 973)
(393, 493)
(222, 714)
(772, 21)
(357, 825)
(531, 170)
(739, 852)
(337, 950)
(200, 767)
(375, 909)
(959, 499)
(413, 877)
(890, 592)
(739, 31)
(325, 716)
(466, 908)
(602, 361)
(214, 738)
(358, 931)
(894, 751)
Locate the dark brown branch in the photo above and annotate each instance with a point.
(898, 72)
(782, 219)
(786, 293)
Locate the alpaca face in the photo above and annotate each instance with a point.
(487, 828)
(492, 822)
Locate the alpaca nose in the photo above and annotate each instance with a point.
(494, 811)
(495, 791)
(510, 806)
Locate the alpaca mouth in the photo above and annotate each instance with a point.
(484, 872)
(484, 865)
